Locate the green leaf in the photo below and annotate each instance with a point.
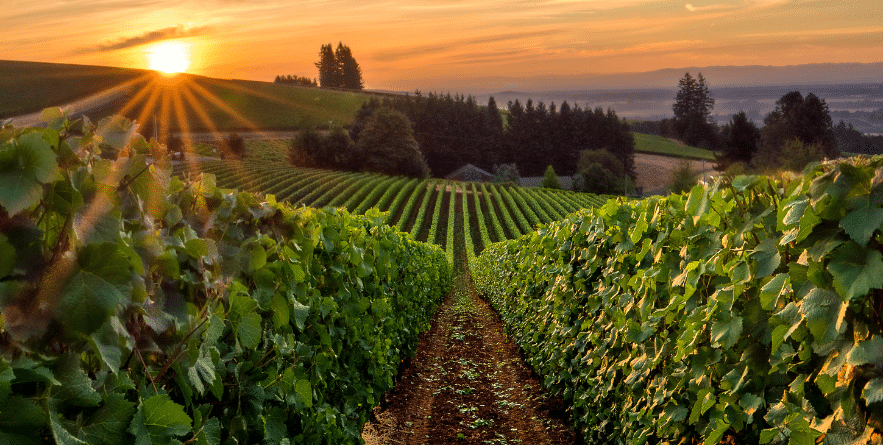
(23, 167)
(8, 257)
(868, 351)
(301, 313)
(825, 314)
(76, 386)
(162, 418)
(767, 256)
(305, 391)
(61, 435)
(108, 424)
(281, 315)
(867, 217)
(873, 391)
(211, 433)
(770, 292)
(96, 289)
(767, 435)
(705, 399)
(196, 248)
(856, 270)
(727, 332)
(249, 332)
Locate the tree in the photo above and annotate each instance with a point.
(795, 117)
(550, 179)
(603, 173)
(329, 70)
(741, 138)
(350, 72)
(692, 112)
(233, 146)
(338, 68)
(387, 145)
(683, 178)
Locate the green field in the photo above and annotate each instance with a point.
(27, 87)
(182, 103)
(648, 143)
(425, 208)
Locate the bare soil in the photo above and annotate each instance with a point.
(468, 384)
(655, 171)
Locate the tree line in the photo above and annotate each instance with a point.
(799, 130)
(454, 130)
(451, 131)
(297, 81)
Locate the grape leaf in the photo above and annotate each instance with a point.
(856, 270)
(163, 418)
(873, 392)
(96, 289)
(868, 351)
(866, 217)
(249, 332)
(108, 424)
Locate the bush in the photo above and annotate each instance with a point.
(683, 178)
(550, 179)
(233, 147)
(506, 174)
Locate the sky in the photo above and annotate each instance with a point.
(435, 45)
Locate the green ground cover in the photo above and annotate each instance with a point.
(648, 143)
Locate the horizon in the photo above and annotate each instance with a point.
(433, 46)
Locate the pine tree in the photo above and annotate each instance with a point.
(350, 72)
(329, 70)
(692, 112)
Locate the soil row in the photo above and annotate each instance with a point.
(468, 385)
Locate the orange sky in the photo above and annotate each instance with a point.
(436, 45)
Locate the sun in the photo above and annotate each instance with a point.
(169, 57)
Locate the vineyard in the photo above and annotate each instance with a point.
(254, 302)
(427, 208)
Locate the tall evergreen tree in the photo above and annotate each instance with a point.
(350, 72)
(329, 70)
(692, 112)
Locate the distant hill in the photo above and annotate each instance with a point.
(31, 86)
(207, 104)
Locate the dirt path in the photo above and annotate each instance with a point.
(468, 385)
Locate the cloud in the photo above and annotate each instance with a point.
(690, 7)
(406, 53)
(171, 32)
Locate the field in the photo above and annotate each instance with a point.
(425, 208)
(50, 84)
(199, 103)
(648, 143)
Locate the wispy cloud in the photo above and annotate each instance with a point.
(171, 32)
(715, 7)
(455, 45)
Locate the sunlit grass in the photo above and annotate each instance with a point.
(648, 143)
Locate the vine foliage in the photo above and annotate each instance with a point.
(140, 308)
(748, 310)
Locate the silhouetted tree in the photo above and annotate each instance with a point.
(692, 112)
(329, 70)
(175, 146)
(233, 146)
(350, 72)
(795, 117)
(387, 145)
(741, 138)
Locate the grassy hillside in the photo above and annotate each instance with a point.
(195, 102)
(230, 105)
(31, 86)
(648, 143)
